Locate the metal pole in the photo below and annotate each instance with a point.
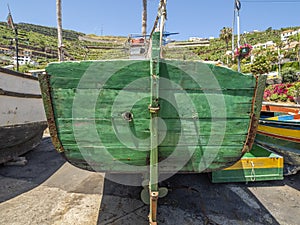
(238, 38)
(154, 110)
(279, 62)
(233, 26)
(16, 36)
(298, 49)
(17, 48)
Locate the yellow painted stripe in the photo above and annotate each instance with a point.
(274, 118)
(257, 163)
(280, 131)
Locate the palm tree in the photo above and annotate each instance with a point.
(59, 30)
(144, 18)
(226, 35)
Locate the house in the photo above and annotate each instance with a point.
(6, 51)
(23, 60)
(268, 44)
(27, 52)
(197, 39)
(286, 34)
(291, 45)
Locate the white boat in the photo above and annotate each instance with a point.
(22, 119)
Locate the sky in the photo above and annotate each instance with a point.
(191, 18)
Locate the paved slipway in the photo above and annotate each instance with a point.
(49, 190)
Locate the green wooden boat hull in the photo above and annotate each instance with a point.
(98, 114)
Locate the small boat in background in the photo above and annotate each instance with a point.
(23, 119)
(272, 107)
(281, 134)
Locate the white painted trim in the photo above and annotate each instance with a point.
(19, 84)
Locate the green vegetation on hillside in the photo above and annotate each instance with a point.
(42, 42)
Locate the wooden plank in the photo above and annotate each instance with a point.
(237, 106)
(21, 110)
(19, 84)
(140, 158)
(181, 73)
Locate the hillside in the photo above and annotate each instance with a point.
(40, 43)
(217, 47)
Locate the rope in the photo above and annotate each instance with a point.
(162, 4)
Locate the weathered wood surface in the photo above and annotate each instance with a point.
(15, 110)
(20, 99)
(193, 123)
(19, 139)
(22, 119)
(19, 84)
(282, 135)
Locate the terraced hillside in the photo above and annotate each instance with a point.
(40, 43)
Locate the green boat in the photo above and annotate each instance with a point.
(157, 115)
(153, 116)
(104, 115)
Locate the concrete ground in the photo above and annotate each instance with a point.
(49, 190)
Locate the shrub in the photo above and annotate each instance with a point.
(279, 92)
(294, 90)
(274, 97)
(289, 75)
(283, 98)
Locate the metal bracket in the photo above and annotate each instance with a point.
(153, 109)
(153, 204)
(154, 195)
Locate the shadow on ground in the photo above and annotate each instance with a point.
(43, 161)
(192, 200)
(291, 181)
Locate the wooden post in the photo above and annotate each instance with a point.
(144, 19)
(59, 31)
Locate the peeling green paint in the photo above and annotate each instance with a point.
(192, 80)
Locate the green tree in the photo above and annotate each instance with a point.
(226, 35)
(289, 75)
(260, 65)
(270, 29)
